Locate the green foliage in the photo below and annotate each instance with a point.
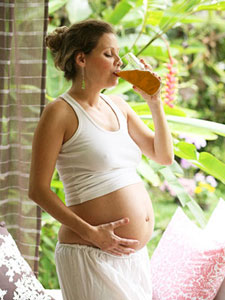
(47, 270)
(56, 84)
(170, 174)
(57, 186)
(205, 161)
(121, 9)
(55, 5)
(198, 127)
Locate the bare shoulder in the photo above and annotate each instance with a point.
(58, 112)
(58, 107)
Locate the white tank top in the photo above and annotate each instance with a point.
(94, 161)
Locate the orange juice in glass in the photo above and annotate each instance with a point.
(135, 73)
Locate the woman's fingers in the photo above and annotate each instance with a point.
(128, 242)
(121, 251)
(119, 223)
(147, 66)
(123, 241)
(125, 250)
(110, 242)
(114, 252)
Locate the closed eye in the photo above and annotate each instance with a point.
(108, 55)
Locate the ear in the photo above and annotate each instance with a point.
(80, 59)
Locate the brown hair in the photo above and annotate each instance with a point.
(66, 42)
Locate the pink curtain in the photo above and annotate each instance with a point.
(23, 26)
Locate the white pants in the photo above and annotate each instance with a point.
(87, 273)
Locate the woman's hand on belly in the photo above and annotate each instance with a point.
(103, 237)
(109, 230)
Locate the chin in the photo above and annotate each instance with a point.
(112, 84)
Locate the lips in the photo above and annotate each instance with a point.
(115, 73)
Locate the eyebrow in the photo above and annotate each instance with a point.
(118, 49)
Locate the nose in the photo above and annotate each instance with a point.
(118, 61)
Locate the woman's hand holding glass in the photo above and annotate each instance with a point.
(149, 98)
(140, 75)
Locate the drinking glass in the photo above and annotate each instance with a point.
(135, 72)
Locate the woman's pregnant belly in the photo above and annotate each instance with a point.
(131, 201)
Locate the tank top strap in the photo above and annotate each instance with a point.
(120, 115)
(76, 106)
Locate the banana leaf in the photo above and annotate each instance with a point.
(204, 160)
(185, 199)
(121, 9)
(194, 124)
(54, 5)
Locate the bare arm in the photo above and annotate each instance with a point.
(47, 142)
(156, 145)
(163, 144)
(162, 148)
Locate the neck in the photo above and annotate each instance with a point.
(89, 95)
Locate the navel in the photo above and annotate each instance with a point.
(147, 219)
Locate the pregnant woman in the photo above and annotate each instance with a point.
(96, 143)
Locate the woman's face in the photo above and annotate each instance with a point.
(102, 62)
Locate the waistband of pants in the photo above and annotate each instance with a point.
(99, 252)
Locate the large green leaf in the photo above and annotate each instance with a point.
(212, 165)
(211, 127)
(178, 11)
(174, 111)
(187, 130)
(184, 198)
(170, 19)
(143, 108)
(56, 184)
(121, 9)
(219, 5)
(176, 169)
(176, 128)
(172, 16)
(204, 161)
(186, 150)
(156, 51)
(154, 17)
(148, 173)
(54, 5)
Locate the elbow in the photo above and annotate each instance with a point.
(32, 194)
(168, 158)
(38, 192)
(35, 193)
(32, 190)
(166, 161)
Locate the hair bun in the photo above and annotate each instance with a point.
(54, 39)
